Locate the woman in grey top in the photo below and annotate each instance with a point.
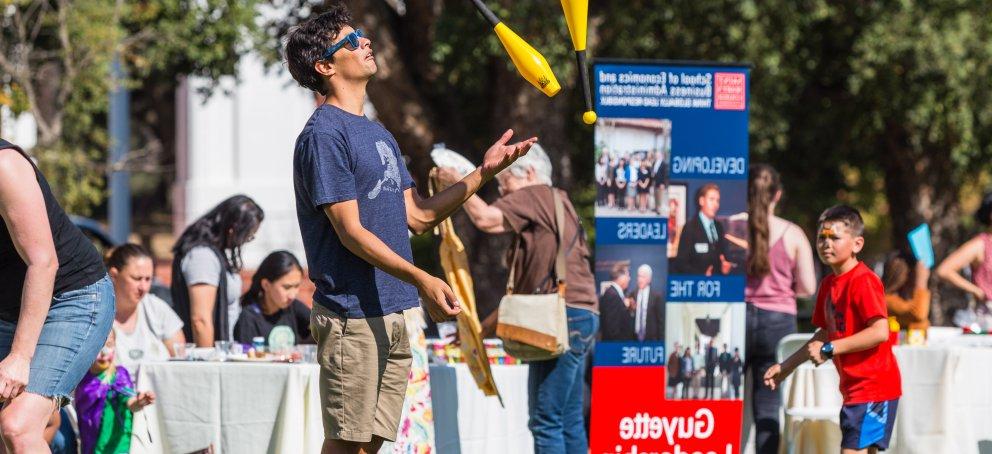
(206, 282)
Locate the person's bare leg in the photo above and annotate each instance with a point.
(54, 421)
(351, 447)
(23, 421)
(856, 451)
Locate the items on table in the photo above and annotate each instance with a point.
(446, 352)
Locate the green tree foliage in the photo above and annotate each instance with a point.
(883, 105)
(55, 59)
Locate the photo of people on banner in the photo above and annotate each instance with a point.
(631, 283)
(706, 351)
(707, 232)
(632, 167)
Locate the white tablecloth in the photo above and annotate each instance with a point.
(236, 407)
(946, 405)
(947, 400)
(468, 422)
(274, 408)
(814, 390)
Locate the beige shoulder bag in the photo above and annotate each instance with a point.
(535, 327)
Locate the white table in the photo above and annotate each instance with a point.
(236, 407)
(810, 395)
(274, 408)
(947, 400)
(468, 422)
(946, 405)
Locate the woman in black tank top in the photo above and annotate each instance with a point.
(56, 303)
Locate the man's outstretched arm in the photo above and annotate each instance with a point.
(441, 302)
(423, 214)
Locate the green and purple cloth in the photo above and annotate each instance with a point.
(104, 418)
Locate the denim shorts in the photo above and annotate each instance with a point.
(74, 332)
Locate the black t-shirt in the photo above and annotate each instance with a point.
(252, 322)
(80, 264)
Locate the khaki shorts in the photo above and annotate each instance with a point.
(364, 368)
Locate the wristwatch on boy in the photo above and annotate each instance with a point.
(827, 350)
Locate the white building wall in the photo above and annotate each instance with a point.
(240, 140)
(624, 139)
(20, 130)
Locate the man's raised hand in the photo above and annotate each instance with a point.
(500, 155)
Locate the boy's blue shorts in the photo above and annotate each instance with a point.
(867, 425)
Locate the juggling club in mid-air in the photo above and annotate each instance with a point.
(529, 62)
(577, 17)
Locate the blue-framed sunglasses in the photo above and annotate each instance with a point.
(350, 38)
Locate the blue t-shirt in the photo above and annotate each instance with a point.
(340, 156)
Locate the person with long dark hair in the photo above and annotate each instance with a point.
(206, 283)
(779, 269)
(975, 253)
(907, 292)
(146, 327)
(56, 303)
(271, 300)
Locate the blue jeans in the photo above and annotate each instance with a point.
(556, 389)
(74, 332)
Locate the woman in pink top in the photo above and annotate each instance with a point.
(977, 253)
(779, 269)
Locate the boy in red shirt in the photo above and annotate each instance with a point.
(853, 331)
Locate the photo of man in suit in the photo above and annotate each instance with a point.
(649, 308)
(616, 319)
(702, 246)
(712, 361)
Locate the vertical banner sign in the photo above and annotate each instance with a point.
(671, 150)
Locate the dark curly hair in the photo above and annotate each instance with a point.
(226, 228)
(306, 43)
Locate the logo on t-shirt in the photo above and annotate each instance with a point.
(390, 181)
(835, 318)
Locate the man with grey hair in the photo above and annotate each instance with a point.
(536, 161)
(649, 307)
(526, 208)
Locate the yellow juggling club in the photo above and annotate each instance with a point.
(577, 17)
(529, 62)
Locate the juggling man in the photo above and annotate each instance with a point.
(351, 188)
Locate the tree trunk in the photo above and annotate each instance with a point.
(920, 188)
(399, 103)
(46, 87)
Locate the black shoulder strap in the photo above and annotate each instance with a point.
(5, 144)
